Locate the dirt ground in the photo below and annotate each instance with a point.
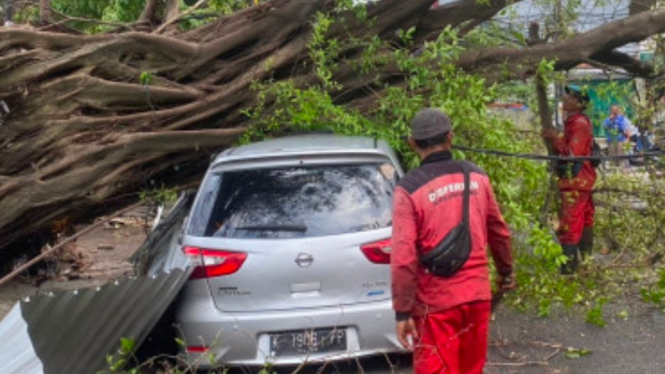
(103, 257)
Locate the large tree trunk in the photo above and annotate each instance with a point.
(84, 134)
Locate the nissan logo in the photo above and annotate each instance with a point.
(304, 260)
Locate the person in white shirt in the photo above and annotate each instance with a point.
(633, 135)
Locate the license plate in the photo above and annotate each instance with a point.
(308, 342)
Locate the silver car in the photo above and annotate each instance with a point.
(291, 238)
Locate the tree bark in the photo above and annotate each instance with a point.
(45, 13)
(171, 14)
(148, 14)
(92, 120)
(460, 11)
(639, 6)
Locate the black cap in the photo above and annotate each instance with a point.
(580, 93)
(429, 123)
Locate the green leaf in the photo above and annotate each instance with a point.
(146, 78)
(574, 353)
(118, 365)
(127, 345)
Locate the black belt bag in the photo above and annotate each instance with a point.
(571, 169)
(448, 257)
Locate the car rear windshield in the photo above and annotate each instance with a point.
(295, 202)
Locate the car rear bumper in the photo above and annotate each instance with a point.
(243, 338)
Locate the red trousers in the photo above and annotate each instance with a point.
(453, 341)
(576, 213)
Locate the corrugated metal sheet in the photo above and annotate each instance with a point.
(161, 249)
(72, 332)
(16, 353)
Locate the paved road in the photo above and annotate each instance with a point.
(526, 344)
(625, 346)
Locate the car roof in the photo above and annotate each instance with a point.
(307, 143)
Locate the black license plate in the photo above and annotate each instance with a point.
(308, 342)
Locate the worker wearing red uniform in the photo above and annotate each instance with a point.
(576, 179)
(444, 320)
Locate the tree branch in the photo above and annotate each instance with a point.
(264, 31)
(171, 14)
(639, 6)
(567, 53)
(148, 14)
(624, 61)
(179, 17)
(45, 11)
(392, 15)
(461, 11)
(67, 18)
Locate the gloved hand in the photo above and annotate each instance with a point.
(549, 133)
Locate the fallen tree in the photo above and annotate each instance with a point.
(93, 119)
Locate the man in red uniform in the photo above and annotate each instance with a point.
(444, 320)
(576, 179)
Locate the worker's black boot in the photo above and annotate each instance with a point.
(570, 266)
(586, 243)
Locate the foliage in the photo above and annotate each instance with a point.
(116, 362)
(160, 195)
(126, 362)
(117, 11)
(26, 14)
(123, 10)
(595, 315)
(574, 353)
(84, 8)
(86, 12)
(212, 10)
(146, 78)
(655, 293)
(231, 6)
(521, 185)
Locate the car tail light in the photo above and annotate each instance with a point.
(197, 349)
(377, 252)
(213, 263)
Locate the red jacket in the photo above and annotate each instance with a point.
(427, 205)
(577, 140)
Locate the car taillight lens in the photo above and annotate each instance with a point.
(378, 252)
(197, 349)
(213, 263)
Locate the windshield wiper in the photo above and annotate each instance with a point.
(295, 228)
